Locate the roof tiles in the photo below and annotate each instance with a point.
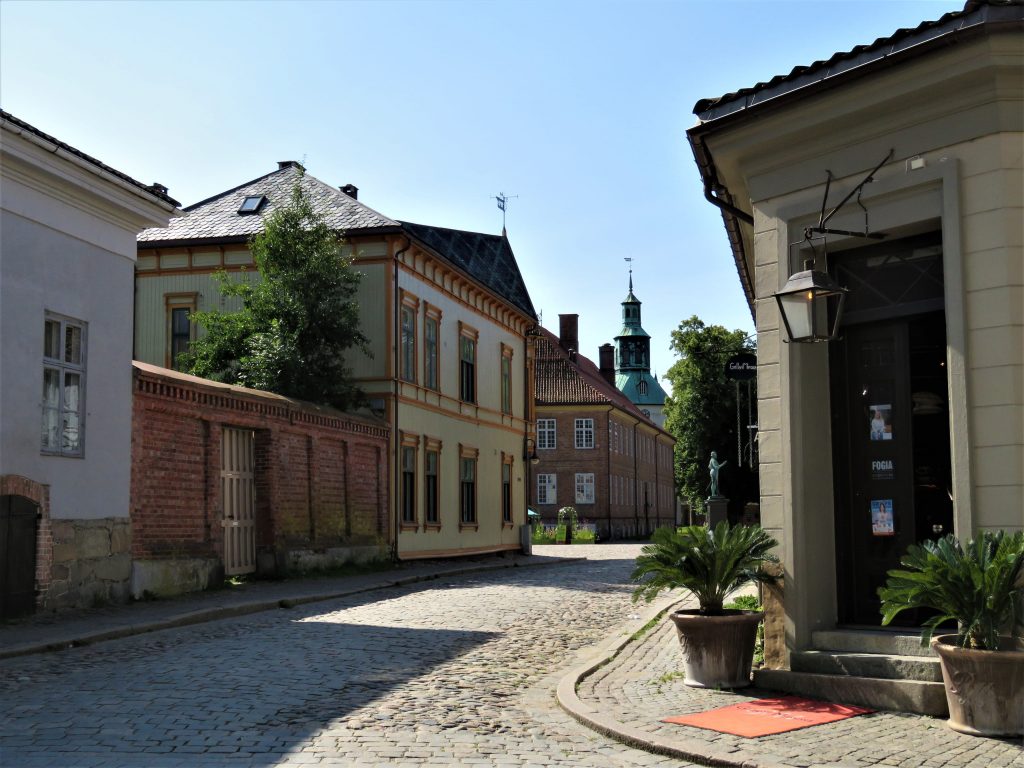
(217, 218)
(560, 380)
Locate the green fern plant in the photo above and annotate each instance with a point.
(979, 585)
(709, 563)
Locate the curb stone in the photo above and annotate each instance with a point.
(190, 617)
(692, 750)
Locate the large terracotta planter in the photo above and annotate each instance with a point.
(984, 689)
(717, 650)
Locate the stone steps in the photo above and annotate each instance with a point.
(881, 665)
(880, 670)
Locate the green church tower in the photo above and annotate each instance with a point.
(633, 362)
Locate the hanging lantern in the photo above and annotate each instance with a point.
(804, 303)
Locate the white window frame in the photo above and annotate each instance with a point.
(547, 488)
(63, 367)
(584, 487)
(584, 433)
(547, 436)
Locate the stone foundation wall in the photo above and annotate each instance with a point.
(91, 563)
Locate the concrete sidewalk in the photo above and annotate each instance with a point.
(54, 632)
(627, 686)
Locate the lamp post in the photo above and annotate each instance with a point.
(804, 305)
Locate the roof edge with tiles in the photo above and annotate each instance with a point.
(157, 192)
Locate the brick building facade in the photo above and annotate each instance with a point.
(227, 479)
(596, 450)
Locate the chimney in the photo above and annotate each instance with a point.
(569, 332)
(282, 164)
(351, 190)
(606, 355)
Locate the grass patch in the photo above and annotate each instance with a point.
(550, 535)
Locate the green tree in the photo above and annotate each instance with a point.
(701, 413)
(297, 321)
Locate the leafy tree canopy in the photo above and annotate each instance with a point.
(701, 412)
(296, 322)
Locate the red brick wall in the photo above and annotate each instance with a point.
(320, 474)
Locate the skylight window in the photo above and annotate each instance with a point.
(252, 203)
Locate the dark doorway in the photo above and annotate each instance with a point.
(890, 420)
(18, 521)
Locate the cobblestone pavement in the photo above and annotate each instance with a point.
(643, 684)
(459, 671)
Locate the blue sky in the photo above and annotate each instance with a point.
(433, 108)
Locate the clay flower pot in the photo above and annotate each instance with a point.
(984, 689)
(717, 650)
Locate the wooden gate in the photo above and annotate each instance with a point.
(18, 521)
(238, 495)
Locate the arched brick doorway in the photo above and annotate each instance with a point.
(25, 553)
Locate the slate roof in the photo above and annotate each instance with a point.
(901, 43)
(486, 258)
(558, 380)
(217, 219)
(154, 190)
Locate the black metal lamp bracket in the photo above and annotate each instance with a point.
(823, 219)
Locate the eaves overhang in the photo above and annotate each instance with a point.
(194, 242)
(978, 18)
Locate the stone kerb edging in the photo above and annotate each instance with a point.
(694, 750)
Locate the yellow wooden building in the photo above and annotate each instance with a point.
(447, 314)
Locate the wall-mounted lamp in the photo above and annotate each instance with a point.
(530, 452)
(804, 304)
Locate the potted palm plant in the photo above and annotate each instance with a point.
(717, 643)
(979, 585)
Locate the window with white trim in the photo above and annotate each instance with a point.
(408, 485)
(584, 487)
(584, 433)
(547, 489)
(430, 323)
(467, 487)
(467, 364)
(546, 434)
(63, 386)
(408, 354)
(430, 472)
(506, 489)
(506, 379)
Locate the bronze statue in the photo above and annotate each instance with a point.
(714, 466)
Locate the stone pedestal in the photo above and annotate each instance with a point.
(718, 510)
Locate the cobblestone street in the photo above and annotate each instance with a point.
(458, 671)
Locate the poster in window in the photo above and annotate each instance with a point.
(881, 422)
(881, 517)
(882, 469)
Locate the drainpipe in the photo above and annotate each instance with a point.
(731, 215)
(396, 387)
(636, 482)
(608, 467)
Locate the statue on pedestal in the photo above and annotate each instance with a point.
(714, 466)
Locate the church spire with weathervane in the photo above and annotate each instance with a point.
(633, 360)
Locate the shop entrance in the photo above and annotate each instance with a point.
(890, 422)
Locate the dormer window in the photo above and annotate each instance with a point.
(252, 204)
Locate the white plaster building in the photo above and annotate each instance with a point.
(67, 258)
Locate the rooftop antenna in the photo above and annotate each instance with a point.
(629, 261)
(503, 199)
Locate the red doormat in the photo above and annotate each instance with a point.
(762, 717)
